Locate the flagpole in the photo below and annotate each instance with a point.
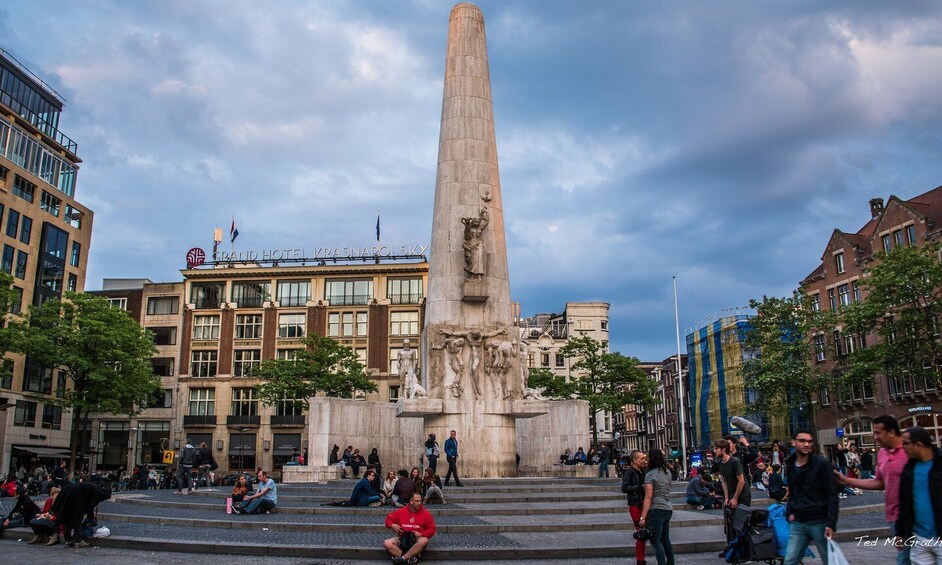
(680, 388)
(230, 235)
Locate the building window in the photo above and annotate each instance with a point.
(163, 366)
(120, 303)
(294, 293)
(244, 360)
(831, 302)
(898, 238)
(160, 306)
(360, 352)
(73, 217)
(207, 295)
(560, 361)
(16, 306)
(347, 324)
(856, 291)
(911, 234)
(55, 241)
(250, 294)
(50, 203)
(843, 292)
(291, 325)
(25, 414)
(76, 253)
(202, 402)
(61, 383)
(886, 243)
(825, 397)
(203, 363)
(404, 323)
(287, 354)
(161, 399)
(819, 347)
(205, 327)
(248, 326)
(13, 223)
(345, 293)
(51, 275)
(37, 378)
(404, 291)
(72, 285)
(393, 393)
(21, 259)
(164, 336)
(52, 417)
(605, 325)
(244, 402)
(289, 408)
(839, 262)
(816, 302)
(26, 229)
(544, 360)
(23, 188)
(7, 264)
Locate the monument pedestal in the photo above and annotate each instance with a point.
(309, 473)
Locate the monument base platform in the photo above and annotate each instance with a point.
(309, 473)
(560, 471)
(418, 407)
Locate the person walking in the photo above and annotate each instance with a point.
(432, 453)
(866, 464)
(632, 484)
(812, 508)
(451, 454)
(185, 462)
(920, 498)
(604, 458)
(205, 464)
(891, 460)
(656, 511)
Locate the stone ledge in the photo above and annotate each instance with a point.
(418, 407)
(529, 408)
(309, 473)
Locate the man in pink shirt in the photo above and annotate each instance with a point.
(890, 462)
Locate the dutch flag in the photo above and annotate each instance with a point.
(233, 232)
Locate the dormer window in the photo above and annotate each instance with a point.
(839, 261)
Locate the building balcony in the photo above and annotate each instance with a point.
(238, 420)
(405, 298)
(199, 421)
(250, 302)
(8, 100)
(349, 300)
(293, 301)
(293, 420)
(207, 303)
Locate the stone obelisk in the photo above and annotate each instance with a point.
(469, 344)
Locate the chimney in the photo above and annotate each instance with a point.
(876, 207)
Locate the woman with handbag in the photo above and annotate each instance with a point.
(632, 484)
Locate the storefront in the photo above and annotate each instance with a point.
(242, 451)
(114, 444)
(286, 446)
(31, 456)
(925, 417)
(153, 439)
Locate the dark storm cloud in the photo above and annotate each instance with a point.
(719, 142)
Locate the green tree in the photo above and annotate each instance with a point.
(608, 381)
(903, 307)
(555, 387)
(104, 352)
(8, 297)
(780, 353)
(323, 366)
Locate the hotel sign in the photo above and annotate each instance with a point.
(300, 254)
(920, 409)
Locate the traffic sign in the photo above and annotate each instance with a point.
(840, 432)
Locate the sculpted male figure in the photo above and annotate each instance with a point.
(473, 244)
(453, 348)
(475, 339)
(407, 361)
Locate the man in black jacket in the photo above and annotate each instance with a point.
(920, 498)
(632, 484)
(813, 500)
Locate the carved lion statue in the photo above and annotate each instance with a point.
(533, 393)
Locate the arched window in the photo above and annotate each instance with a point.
(931, 422)
(860, 431)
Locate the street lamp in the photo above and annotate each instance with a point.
(241, 446)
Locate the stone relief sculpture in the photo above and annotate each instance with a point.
(407, 362)
(501, 356)
(523, 348)
(454, 364)
(475, 339)
(474, 244)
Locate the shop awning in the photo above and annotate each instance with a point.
(44, 451)
(245, 451)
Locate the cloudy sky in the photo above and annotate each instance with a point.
(718, 141)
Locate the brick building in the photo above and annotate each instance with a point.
(834, 284)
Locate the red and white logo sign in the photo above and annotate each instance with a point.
(195, 257)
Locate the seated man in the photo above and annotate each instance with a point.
(414, 527)
(403, 489)
(363, 493)
(700, 494)
(777, 483)
(263, 501)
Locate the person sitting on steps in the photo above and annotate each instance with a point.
(414, 527)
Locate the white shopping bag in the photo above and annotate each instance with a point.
(835, 555)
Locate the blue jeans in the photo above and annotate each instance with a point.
(902, 557)
(370, 500)
(866, 474)
(707, 501)
(258, 506)
(603, 468)
(659, 521)
(800, 536)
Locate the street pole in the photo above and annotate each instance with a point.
(241, 446)
(680, 391)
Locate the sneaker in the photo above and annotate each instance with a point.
(398, 561)
(413, 560)
(700, 507)
(53, 540)
(375, 504)
(70, 544)
(81, 544)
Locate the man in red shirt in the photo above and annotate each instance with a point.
(414, 526)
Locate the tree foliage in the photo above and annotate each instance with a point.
(555, 387)
(780, 353)
(322, 366)
(8, 296)
(903, 307)
(104, 352)
(608, 381)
